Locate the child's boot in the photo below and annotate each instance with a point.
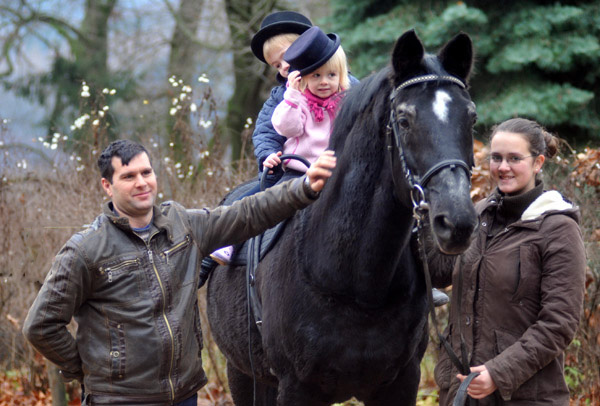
(439, 297)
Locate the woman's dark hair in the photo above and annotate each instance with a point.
(124, 149)
(541, 142)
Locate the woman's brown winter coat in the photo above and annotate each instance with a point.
(522, 296)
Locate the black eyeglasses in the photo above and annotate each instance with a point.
(511, 160)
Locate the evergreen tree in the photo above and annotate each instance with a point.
(535, 59)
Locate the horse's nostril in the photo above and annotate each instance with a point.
(452, 237)
(441, 223)
(442, 227)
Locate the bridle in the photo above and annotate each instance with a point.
(420, 210)
(418, 183)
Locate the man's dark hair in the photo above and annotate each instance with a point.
(124, 149)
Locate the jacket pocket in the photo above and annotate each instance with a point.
(178, 247)
(180, 258)
(442, 372)
(112, 270)
(528, 390)
(118, 280)
(528, 274)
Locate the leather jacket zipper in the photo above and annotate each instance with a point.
(164, 315)
(176, 248)
(109, 270)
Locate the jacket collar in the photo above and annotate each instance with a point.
(547, 202)
(159, 219)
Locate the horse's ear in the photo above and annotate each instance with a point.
(457, 56)
(407, 56)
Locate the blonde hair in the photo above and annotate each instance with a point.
(337, 63)
(279, 41)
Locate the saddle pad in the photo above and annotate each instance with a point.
(269, 237)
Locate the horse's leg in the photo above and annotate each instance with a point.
(403, 390)
(292, 393)
(242, 389)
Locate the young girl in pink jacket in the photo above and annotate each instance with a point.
(318, 75)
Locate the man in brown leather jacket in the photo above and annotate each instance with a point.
(130, 282)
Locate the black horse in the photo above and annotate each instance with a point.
(344, 305)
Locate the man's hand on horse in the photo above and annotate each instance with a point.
(482, 386)
(321, 170)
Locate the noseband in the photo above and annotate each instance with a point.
(417, 183)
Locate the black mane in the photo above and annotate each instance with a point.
(361, 103)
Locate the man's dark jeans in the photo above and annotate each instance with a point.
(193, 401)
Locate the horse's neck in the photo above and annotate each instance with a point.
(356, 239)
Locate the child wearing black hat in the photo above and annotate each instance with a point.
(318, 75)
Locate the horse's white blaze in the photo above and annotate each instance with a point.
(440, 105)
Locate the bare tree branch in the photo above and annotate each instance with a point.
(61, 26)
(28, 148)
(22, 19)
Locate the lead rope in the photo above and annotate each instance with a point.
(420, 208)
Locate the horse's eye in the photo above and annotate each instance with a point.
(472, 112)
(403, 122)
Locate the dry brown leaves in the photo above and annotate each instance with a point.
(480, 179)
(586, 168)
(12, 393)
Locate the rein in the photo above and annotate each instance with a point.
(420, 209)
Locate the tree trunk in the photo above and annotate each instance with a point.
(89, 64)
(182, 65)
(92, 53)
(245, 102)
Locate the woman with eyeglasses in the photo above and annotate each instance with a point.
(522, 281)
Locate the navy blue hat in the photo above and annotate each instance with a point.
(311, 50)
(280, 22)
